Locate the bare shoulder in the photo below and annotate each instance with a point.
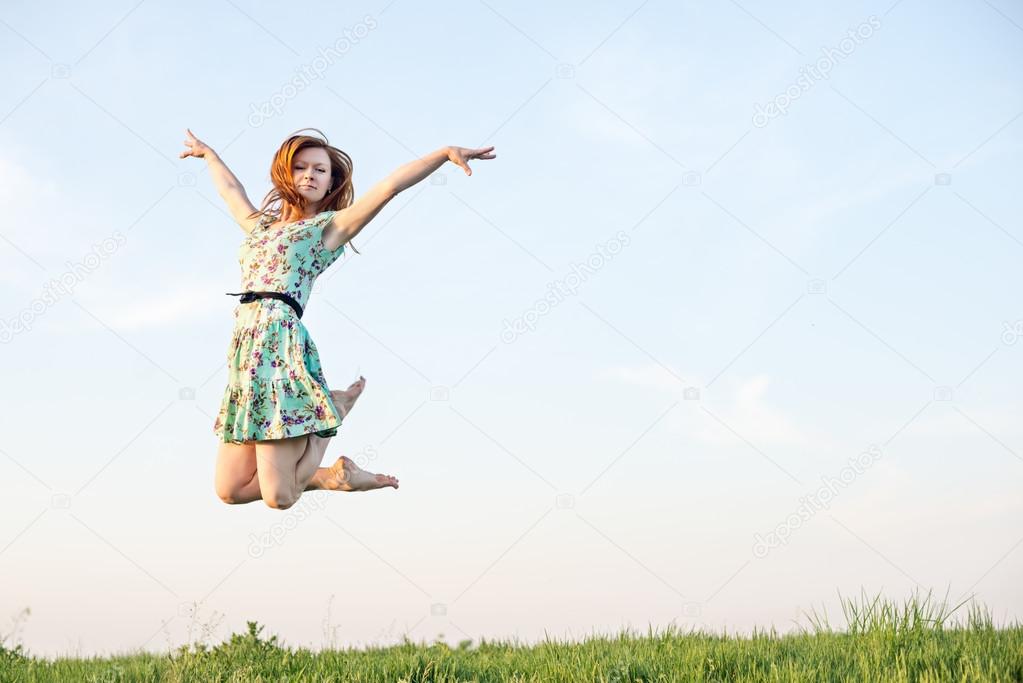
(346, 223)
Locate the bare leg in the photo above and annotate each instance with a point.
(310, 461)
(275, 467)
(309, 464)
(235, 480)
(278, 471)
(248, 492)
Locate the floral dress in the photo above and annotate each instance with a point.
(276, 388)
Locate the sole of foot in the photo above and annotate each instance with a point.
(350, 477)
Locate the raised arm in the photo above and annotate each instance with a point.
(228, 186)
(348, 222)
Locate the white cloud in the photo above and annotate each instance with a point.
(745, 408)
(944, 420)
(880, 495)
(183, 304)
(750, 414)
(189, 302)
(21, 195)
(652, 376)
(20, 188)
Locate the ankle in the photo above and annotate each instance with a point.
(324, 479)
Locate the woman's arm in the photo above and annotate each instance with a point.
(231, 191)
(228, 186)
(409, 174)
(348, 222)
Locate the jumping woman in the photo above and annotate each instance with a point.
(277, 414)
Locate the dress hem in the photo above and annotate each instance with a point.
(321, 432)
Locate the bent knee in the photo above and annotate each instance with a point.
(227, 495)
(280, 501)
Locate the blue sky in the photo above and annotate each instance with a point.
(747, 305)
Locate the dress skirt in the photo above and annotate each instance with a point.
(276, 388)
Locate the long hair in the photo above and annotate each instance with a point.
(285, 195)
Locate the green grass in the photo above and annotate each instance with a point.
(880, 641)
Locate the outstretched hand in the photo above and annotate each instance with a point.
(460, 155)
(196, 147)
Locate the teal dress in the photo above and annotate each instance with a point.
(276, 388)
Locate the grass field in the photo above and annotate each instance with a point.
(880, 641)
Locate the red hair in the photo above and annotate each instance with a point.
(285, 195)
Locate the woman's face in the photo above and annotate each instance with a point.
(310, 171)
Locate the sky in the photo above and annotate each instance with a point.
(728, 330)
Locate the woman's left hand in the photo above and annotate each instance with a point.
(460, 155)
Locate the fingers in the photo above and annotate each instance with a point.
(483, 153)
(193, 143)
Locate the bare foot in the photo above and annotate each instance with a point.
(350, 477)
(344, 400)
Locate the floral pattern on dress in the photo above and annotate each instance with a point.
(276, 387)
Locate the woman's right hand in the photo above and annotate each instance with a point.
(460, 155)
(196, 147)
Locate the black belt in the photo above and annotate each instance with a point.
(249, 297)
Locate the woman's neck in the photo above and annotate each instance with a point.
(295, 214)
